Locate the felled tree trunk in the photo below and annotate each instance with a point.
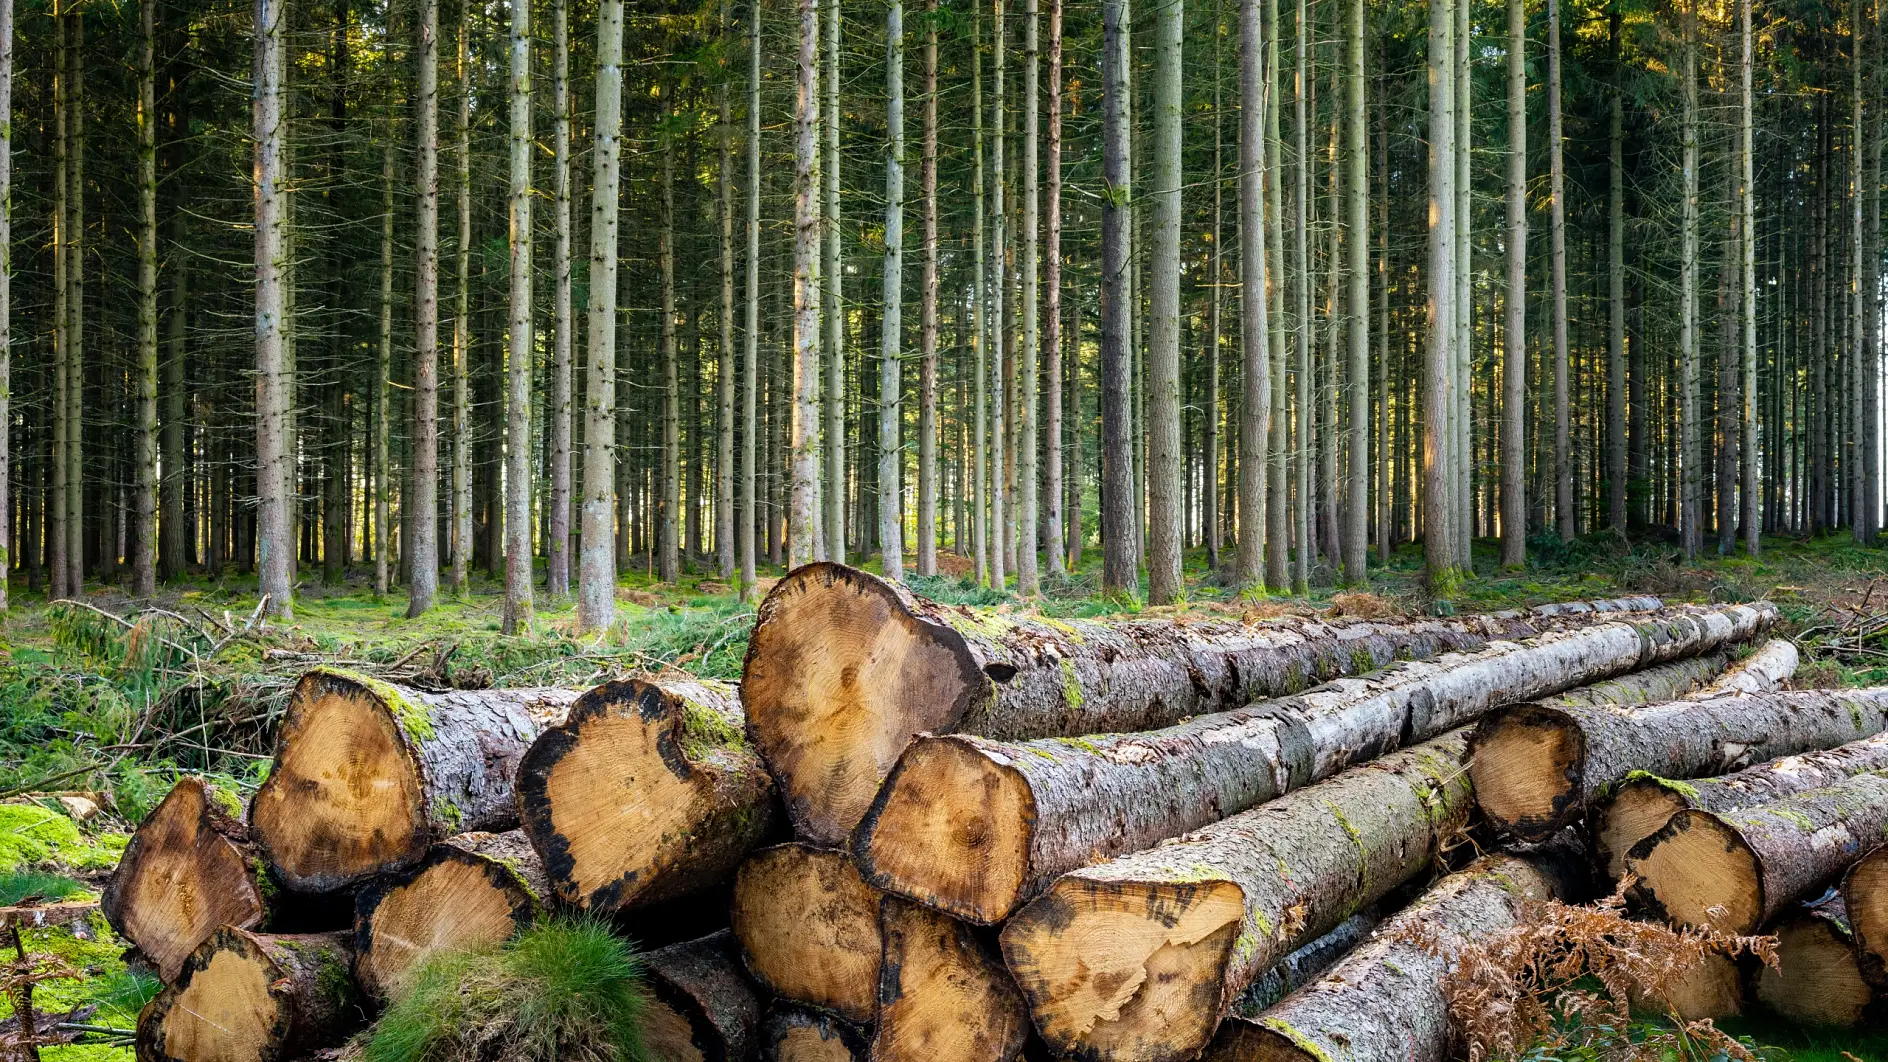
(1537, 768)
(648, 791)
(255, 997)
(1760, 672)
(190, 869)
(1638, 806)
(1737, 870)
(1666, 682)
(1865, 898)
(843, 669)
(467, 891)
(1137, 959)
(976, 826)
(1818, 978)
(943, 997)
(702, 1007)
(1308, 962)
(367, 774)
(1384, 1002)
(809, 928)
(793, 1033)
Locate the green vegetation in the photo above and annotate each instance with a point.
(565, 989)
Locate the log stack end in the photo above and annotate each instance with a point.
(1526, 764)
(808, 927)
(1698, 870)
(252, 997)
(463, 894)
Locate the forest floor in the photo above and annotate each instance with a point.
(115, 710)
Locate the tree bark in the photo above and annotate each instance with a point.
(1002, 549)
(833, 310)
(419, 513)
(979, 312)
(750, 351)
(1120, 563)
(648, 790)
(976, 827)
(1739, 869)
(255, 996)
(795, 1033)
(469, 891)
(942, 993)
(563, 320)
(1747, 299)
(1140, 957)
(669, 479)
(6, 292)
(1301, 526)
(437, 764)
(461, 548)
(1690, 452)
(1565, 518)
(1054, 532)
(803, 527)
(1514, 306)
(383, 387)
(190, 868)
(891, 520)
(1384, 1002)
(274, 546)
(523, 336)
(1164, 473)
(1616, 298)
(143, 537)
(724, 344)
(809, 928)
(1255, 394)
(1818, 977)
(1441, 553)
(1357, 225)
(61, 306)
(1865, 898)
(596, 561)
(703, 1008)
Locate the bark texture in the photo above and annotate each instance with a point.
(703, 1008)
(648, 790)
(190, 869)
(1139, 958)
(1538, 768)
(471, 890)
(1865, 898)
(367, 774)
(1739, 869)
(1308, 962)
(252, 997)
(843, 669)
(808, 926)
(1384, 1002)
(793, 1033)
(943, 995)
(977, 826)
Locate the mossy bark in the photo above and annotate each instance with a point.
(703, 985)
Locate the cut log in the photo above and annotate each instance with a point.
(1638, 806)
(976, 826)
(368, 774)
(1666, 682)
(942, 995)
(1765, 670)
(1817, 979)
(1308, 963)
(189, 869)
(702, 1007)
(467, 892)
(649, 790)
(1537, 768)
(253, 997)
(1384, 1002)
(793, 1033)
(843, 669)
(1713, 989)
(1738, 870)
(808, 928)
(1865, 897)
(1137, 959)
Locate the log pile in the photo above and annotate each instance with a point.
(921, 832)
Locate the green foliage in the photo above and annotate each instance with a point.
(33, 836)
(565, 989)
(21, 885)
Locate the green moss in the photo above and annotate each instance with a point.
(1080, 743)
(447, 812)
(1796, 818)
(1299, 1040)
(1263, 923)
(32, 835)
(1361, 661)
(1068, 629)
(1071, 685)
(410, 715)
(265, 882)
(705, 731)
(226, 800)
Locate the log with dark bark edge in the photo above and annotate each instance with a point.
(368, 774)
(843, 669)
(1384, 1001)
(1817, 979)
(1308, 962)
(1865, 897)
(702, 1008)
(976, 826)
(253, 997)
(794, 1033)
(189, 869)
(1137, 959)
(942, 995)
(1638, 806)
(1737, 870)
(648, 791)
(467, 891)
(1537, 768)
(808, 928)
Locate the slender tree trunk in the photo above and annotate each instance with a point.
(6, 297)
(563, 322)
(1301, 316)
(383, 371)
(1053, 484)
(803, 532)
(523, 335)
(833, 544)
(1001, 550)
(1463, 467)
(1120, 575)
(979, 310)
(1441, 554)
(1691, 511)
(1028, 581)
(1616, 305)
(1864, 370)
(891, 521)
(1514, 305)
(420, 513)
(462, 547)
(750, 354)
(1255, 396)
(1557, 193)
(75, 304)
(596, 562)
(1357, 203)
(724, 345)
(143, 546)
(62, 313)
(1164, 468)
(1276, 513)
(274, 544)
(668, 505)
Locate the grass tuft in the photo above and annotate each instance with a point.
(565, 989)
(23, 885)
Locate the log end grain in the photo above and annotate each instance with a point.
(1711, 989)
(1637, 809)
(186, 872)
(1817, 980)
(808, 926)
(840, 674)
(1144, 977)
(247, 997)
(701, 1007)
(452, 901)
(647, 791)
(1525, 763)
(801, 1034)
(1865, 895)
(345, 798)
(1697, 870)
(942, 997)
(951, 828)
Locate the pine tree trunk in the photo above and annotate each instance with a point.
(1690, 451)
(1002, 548)
(1357, 224)
(462, 547)
(724, 344)
(470, 891)
(523, 336)
(1463, 464)
(1120, 574)
(750, 351)
(669, 503)
(75, 320)
(1255, 280)
(1747, 299)
(419, 513)
(1565, 517)
(596, 561)
(891, 521)
(61, 312)
(254, 996)
(275, 546)
(1441, 553)
(1301, 316)
(382, 473)
(803, 517)
(1028, 531)
(6, 296)
(143, 537)
(1164, 472)
(1054, 530)
(563, 321)
(1616, 301)
(832, 545)
(979, 311)
(1514, 306)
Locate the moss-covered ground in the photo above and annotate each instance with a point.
(117, 711)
